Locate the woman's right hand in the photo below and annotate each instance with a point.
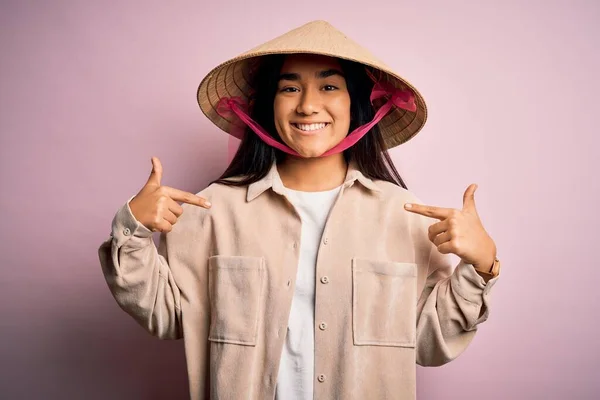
(156, 206)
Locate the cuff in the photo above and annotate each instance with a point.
(125, 226)
(469, 284)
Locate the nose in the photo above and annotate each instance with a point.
(310, 102)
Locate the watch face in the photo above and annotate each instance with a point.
(496, 267)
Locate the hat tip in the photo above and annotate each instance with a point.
(319, 22)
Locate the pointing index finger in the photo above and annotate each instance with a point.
(440, 213)
(187, 197)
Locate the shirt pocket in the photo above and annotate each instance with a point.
(235, 284)
(384, 303)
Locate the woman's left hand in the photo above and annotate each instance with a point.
(460, 231)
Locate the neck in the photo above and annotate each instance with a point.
(313, 174)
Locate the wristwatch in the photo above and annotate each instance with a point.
(493, 272)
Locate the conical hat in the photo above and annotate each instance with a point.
(231, 78)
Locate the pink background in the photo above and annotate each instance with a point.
(89, 91)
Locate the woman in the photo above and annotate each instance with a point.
(308, 269)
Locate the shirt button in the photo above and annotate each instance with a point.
(324, 279)
(321, 378)
(126, 232)
(322, 326)
(326, 240)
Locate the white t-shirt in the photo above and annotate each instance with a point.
(296, 370)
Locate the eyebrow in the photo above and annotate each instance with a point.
(321, 74)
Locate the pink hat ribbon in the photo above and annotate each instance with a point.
(405, 99)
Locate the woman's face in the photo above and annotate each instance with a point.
(312, 104)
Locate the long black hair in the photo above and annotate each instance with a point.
(254, 158)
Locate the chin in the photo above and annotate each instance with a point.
(309, 153)
(310, 147)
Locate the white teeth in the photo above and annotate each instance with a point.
(310, 127)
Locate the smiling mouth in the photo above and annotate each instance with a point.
(311, 128)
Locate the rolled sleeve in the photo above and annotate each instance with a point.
(471, 287)
(125, 226)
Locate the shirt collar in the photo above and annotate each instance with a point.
(273, 181)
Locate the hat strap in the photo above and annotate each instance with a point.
(401, 98)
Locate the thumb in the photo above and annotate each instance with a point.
(156, 174)
(469, 198)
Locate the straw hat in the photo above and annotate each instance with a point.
(231, 78)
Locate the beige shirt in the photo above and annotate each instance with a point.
(223, 280)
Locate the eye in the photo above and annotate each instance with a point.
(289, 90)
(329, 88)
